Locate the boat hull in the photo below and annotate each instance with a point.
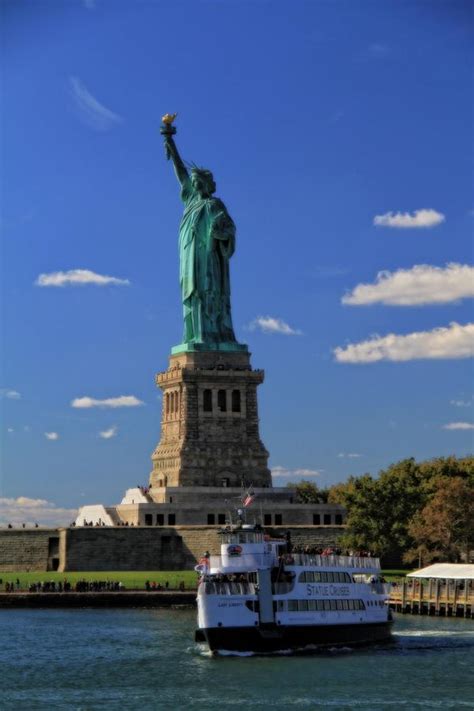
(274, 638)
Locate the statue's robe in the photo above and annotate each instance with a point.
(206, 243)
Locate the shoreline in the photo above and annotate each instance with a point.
(124, 598)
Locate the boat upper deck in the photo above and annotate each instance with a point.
(256, 560)
(307, 560)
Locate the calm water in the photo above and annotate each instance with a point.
(146, 659)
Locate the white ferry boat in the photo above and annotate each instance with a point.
(257, 596)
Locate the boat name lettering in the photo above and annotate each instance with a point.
(327, 590)
(229, 604)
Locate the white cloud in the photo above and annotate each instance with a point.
(283, 472)
(422, 284)
(269, 324)
(91, 111)
(30, 511)
(453, 341)
(458, 426)
(53, 436)
(121, 401)
(461, 403)
(426, 217)
(349, 455)
(108, 434)
(9, 394)
(89, 4)
(10, 430)
(78, 277)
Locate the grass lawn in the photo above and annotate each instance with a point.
(392, 576)
(133, 579)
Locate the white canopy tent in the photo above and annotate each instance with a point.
(449, 571)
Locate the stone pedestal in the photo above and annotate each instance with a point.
(209, 425)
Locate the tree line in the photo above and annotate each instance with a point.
(416, 512)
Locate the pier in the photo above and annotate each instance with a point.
(452, 598)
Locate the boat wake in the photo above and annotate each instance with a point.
(203, 651)
(433, 633)
(404, 642)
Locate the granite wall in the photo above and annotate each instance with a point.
(30, 549)
(127, 548)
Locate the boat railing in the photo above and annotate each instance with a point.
(336, 561)
(229, 588)
(247, 561)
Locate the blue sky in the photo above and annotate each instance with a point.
(340, 137)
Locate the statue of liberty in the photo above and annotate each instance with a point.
(206, 243)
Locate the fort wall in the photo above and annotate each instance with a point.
(128, 548)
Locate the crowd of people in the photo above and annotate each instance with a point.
(152, 586)
(61, 586)
(319, 550)
(82, 586)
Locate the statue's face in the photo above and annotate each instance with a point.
(204, 184)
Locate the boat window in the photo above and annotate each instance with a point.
(280, 605)
(327, 605)
(311, 604)
(302, 605)
(292, 605)
(320, 604)
(324, 577)
(361, 605)
(333, 604)
(345, 604)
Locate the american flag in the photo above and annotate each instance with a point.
(248, 498)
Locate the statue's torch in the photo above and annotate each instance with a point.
(168, 130)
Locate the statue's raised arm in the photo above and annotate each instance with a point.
(167, 131)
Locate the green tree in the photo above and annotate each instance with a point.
(308, 493)
(380, 510)
(444, 528)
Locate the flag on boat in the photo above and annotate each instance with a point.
(248, 498)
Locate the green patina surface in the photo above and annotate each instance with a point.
(206, 244)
